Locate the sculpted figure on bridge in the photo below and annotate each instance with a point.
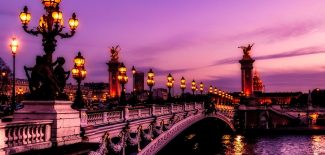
(114, 52)
(246, 49)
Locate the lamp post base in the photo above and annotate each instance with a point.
(65, 129)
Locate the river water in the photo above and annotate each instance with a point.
(210, 137)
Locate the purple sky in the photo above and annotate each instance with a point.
(190, 38)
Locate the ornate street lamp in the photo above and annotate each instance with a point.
(134, 71)
(123, 79)
(210, 89)
(201, 88)
(50, 26)
(183, 85)
(216, 90)
(193, 87)
(14, 47)
(150, 83)
(79, 74)
(169, 84)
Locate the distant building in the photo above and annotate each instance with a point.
(278, 98)
(21, 86)
(91, 91)
(139, 82)
(160, 93)
(318, 97)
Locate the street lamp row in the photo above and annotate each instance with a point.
(219, 92)
(123, 79)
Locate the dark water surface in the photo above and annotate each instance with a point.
(211, 137)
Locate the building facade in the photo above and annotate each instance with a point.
(138, 82)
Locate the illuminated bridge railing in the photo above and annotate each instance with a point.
(226, 110)
(133, 113)
(20, 136)
(129, 126)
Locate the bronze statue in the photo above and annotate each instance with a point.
(61, 75)
(246, 49)
(114, 52)
(35, 78)
(44, 83)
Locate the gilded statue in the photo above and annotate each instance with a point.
(246, 49)
(114, 52)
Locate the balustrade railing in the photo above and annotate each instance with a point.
(20, 133)
(132, 113)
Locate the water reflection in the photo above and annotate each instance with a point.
(204, 140)
(238, 145)
(318, 144)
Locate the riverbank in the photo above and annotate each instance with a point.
(285, 131)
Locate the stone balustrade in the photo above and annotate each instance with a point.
(20, 136)
(226, 110)
(133, 113)
(152, 126)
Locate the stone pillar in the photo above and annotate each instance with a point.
(114, 84)
(66, 121)
(83, 118)
(153, 110)
(126, 113)
(171, 108)
(3, 139)
(247, 74)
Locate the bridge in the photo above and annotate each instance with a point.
(153, 126)
(274, 116)
(126, 129)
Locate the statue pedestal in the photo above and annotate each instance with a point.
(65, 129)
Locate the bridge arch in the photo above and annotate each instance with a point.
(162, 140)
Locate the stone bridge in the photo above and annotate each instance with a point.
(145, 130)
(124, 130)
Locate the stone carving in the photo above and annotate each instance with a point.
(246, 49)
(118, 146)
(102, 147)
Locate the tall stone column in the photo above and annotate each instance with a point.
(113, 65)
(114, 84)
(247, 71)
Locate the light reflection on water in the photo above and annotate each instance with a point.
(274, 145)
(207, 138)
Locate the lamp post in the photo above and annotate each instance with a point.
(79, 74)
(134, 71)
(201, 88)
(183, 85)
(4, 81)
(50, 27)
(14, 47)
(216, 90)
(210, 89)
(150, 83)
(123, 79)
(169, 84)
(193, 87)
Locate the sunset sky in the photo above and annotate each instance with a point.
(191, 38)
